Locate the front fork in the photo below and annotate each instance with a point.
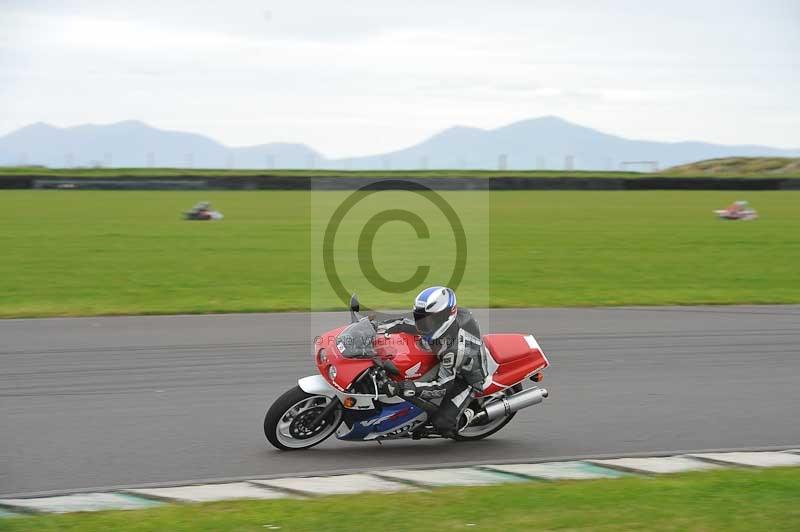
(332, 405)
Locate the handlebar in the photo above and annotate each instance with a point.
(386, 365)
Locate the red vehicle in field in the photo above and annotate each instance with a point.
(354, 362)
(738, 210)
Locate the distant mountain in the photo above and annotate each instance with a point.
(546, 142)
(135, 144)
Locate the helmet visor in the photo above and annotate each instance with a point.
(429, 322)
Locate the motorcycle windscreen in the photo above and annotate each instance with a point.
(356, 341)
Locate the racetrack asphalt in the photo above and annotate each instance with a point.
(95, 402)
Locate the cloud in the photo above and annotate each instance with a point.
(372, 76)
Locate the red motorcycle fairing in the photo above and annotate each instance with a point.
(510, 358)
(401, 348)
(326, 354)
(404, 351)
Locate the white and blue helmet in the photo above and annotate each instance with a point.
(434, 311)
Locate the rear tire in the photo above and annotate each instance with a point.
(286, 423)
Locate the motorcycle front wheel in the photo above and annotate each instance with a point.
(287, 424)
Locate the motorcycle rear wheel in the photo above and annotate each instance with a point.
(479, 432)
(286, 424)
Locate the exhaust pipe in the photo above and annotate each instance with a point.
(506, 406)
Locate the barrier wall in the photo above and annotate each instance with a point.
(272, 182)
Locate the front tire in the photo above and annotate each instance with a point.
(287, 423)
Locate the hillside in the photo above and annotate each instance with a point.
(739, 167)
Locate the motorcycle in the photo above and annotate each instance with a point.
(202, 215)
(738, 210)
(729, 214)
(202, 211)
(355, 363)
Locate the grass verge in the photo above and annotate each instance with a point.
(78, 253)
(722, 500)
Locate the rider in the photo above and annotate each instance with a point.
(452, 334)
(201, 207)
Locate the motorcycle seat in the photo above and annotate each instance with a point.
(507, 348)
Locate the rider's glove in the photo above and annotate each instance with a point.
(401, 389)
(390, 389)
(406, 389)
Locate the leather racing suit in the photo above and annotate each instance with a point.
(461, 371)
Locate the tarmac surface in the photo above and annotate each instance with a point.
(98, 402)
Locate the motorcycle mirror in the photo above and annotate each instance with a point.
(354, 307)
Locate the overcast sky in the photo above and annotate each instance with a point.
(357, 77)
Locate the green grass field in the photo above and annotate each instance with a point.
(727, 500)
(70, 253)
